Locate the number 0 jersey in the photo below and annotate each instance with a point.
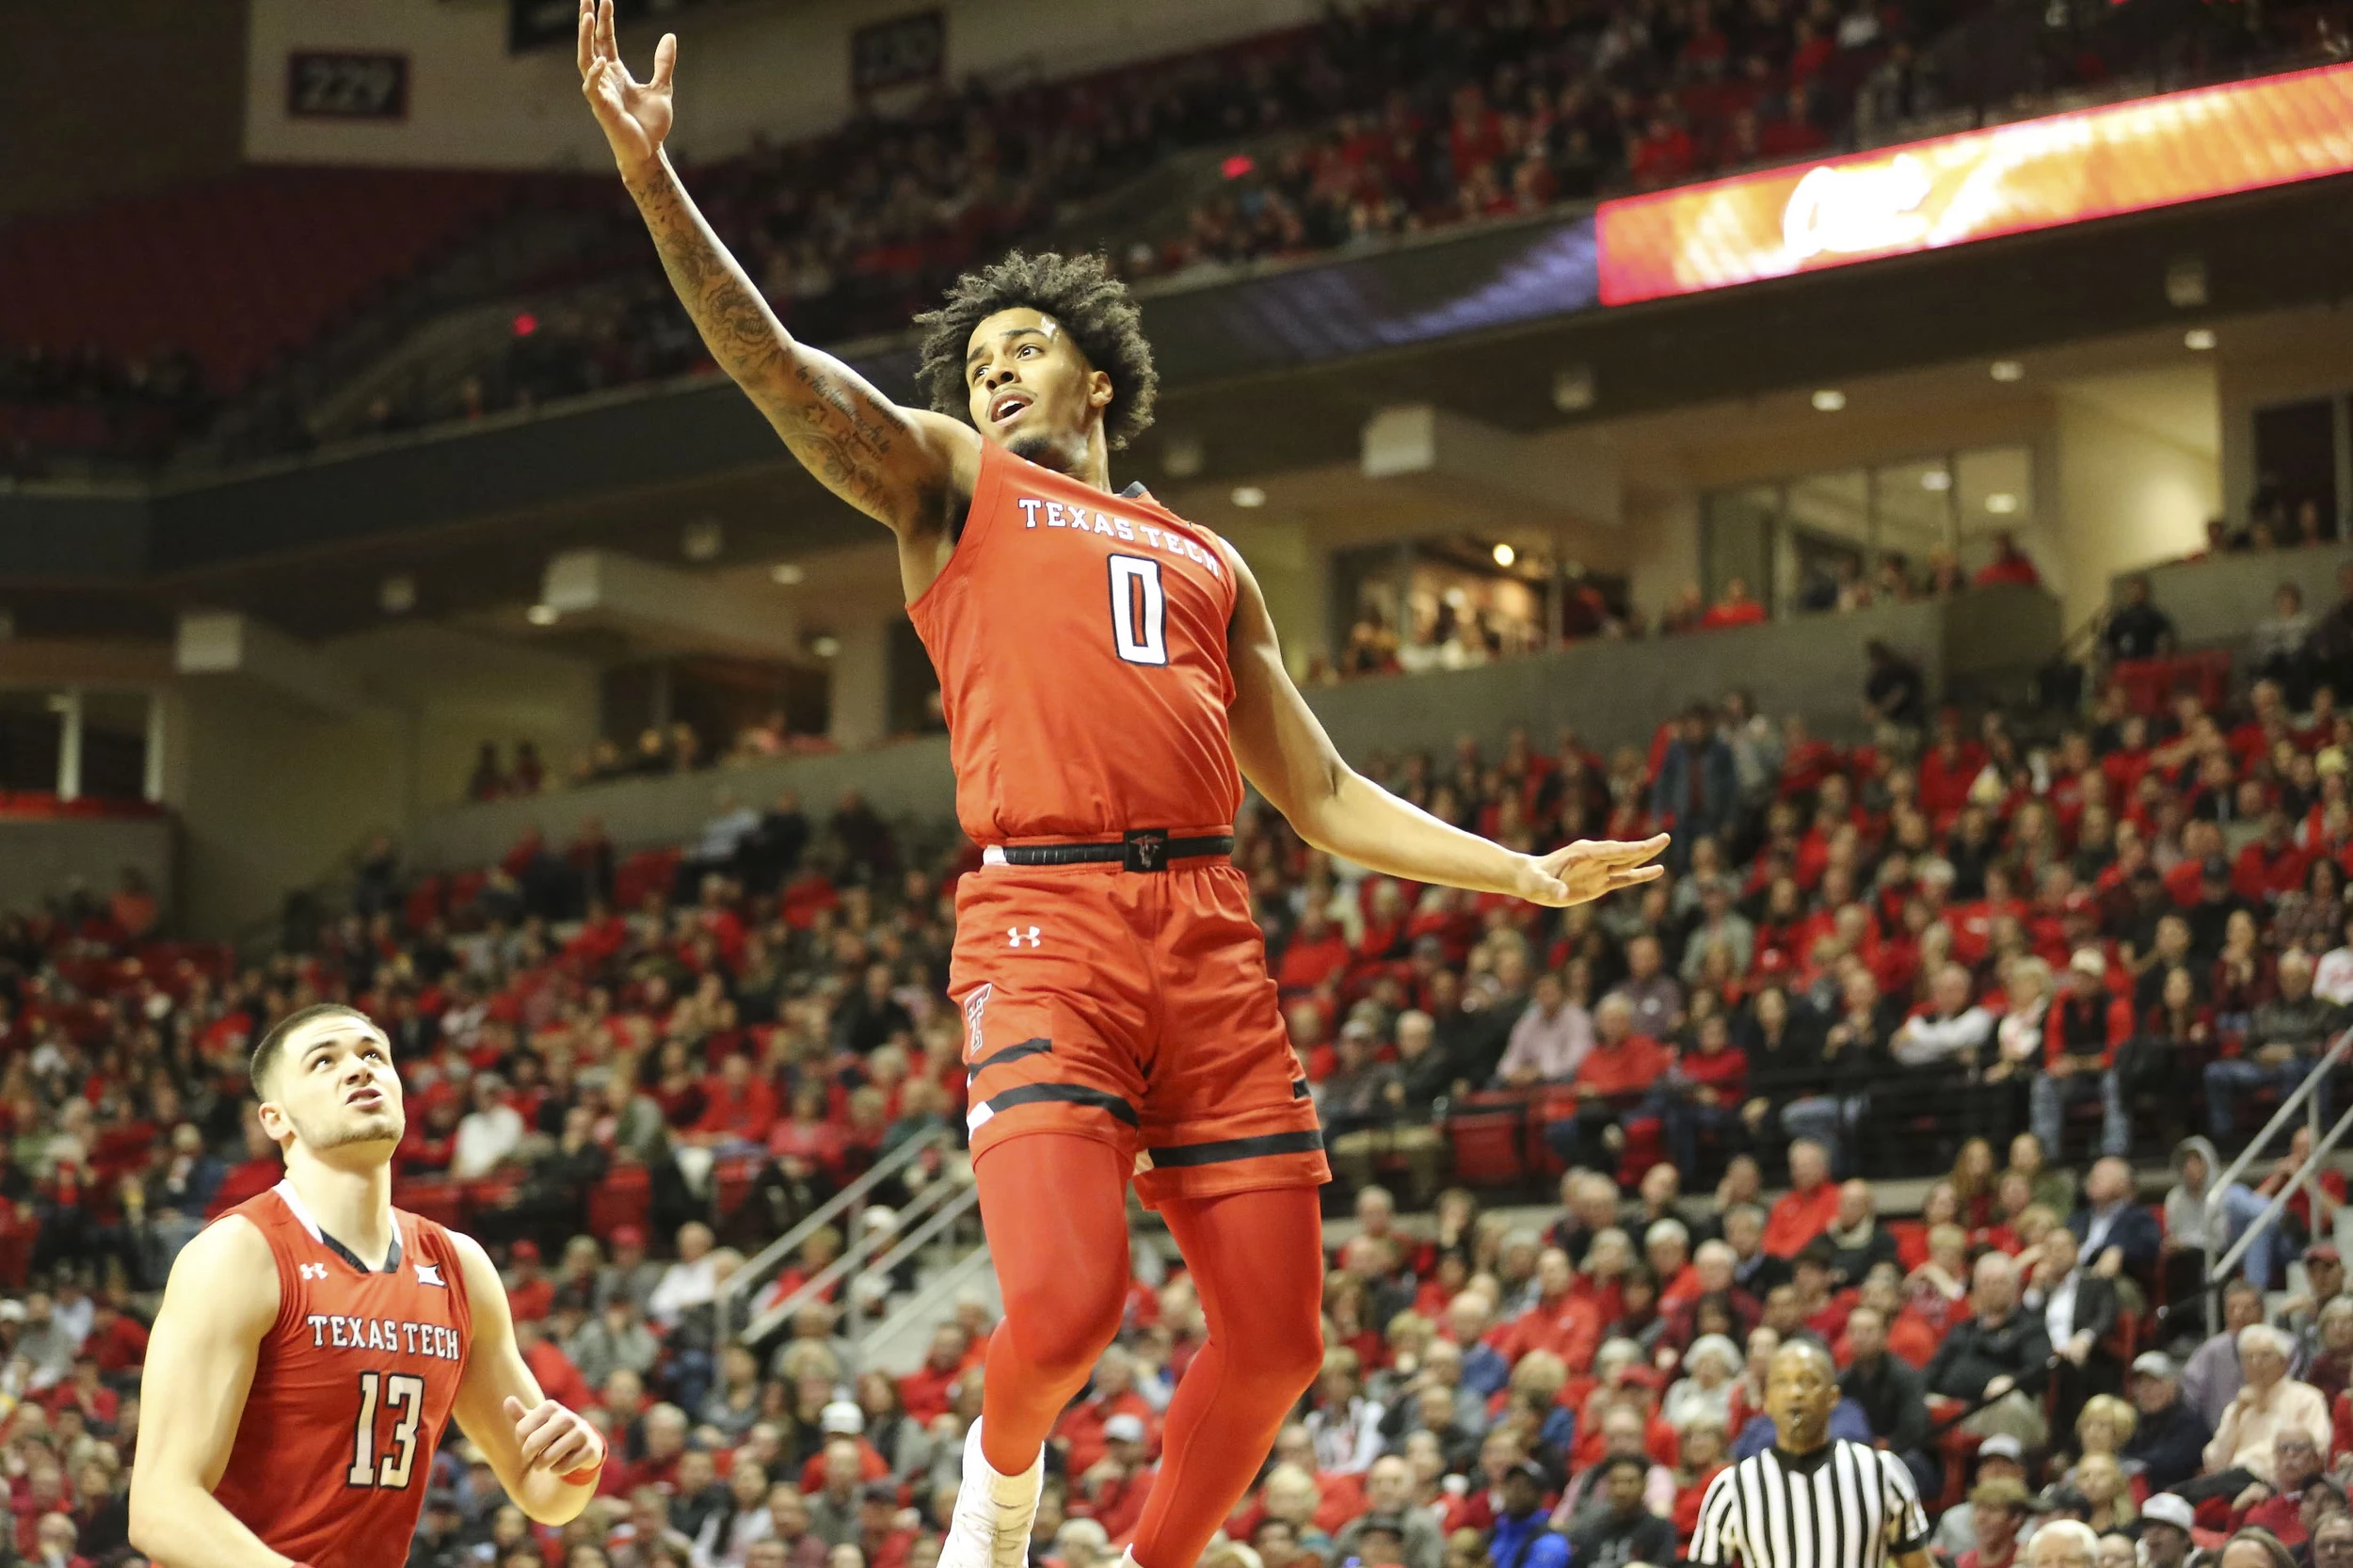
(353, 1385)
(1080, 644)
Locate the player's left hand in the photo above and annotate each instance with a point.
(553, 1438)
(1587, 870)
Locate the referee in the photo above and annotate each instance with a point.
(1811, 1501)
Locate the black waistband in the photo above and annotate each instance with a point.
(1143, 849)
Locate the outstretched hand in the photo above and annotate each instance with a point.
(635, 114)
(1591, 868)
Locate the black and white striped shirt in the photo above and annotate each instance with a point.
(1845, 1505)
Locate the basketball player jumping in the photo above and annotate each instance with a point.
(315, 1341)
(1104, 666)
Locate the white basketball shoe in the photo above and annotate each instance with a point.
(994, 1513)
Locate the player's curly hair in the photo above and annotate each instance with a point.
(1080, 293)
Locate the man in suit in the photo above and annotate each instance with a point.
(2078, 1307)
(2119, 1236)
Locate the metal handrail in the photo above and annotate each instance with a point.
(2263, 1222)
(856, 1258)
(967, 1197)
(940, 1288)
(2305, 1094)
(765, 1264)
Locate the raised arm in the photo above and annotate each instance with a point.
(219, 1302)
(905, 467)
(1283, 750)
(533, 1443)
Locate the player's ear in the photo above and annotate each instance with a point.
(1099, 390)
(274, 1123)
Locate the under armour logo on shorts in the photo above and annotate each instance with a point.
(1015, 937)
(313, 1270)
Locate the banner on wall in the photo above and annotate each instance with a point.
(2007, 180)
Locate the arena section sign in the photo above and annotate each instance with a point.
(2007, 180)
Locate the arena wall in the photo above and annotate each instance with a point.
(747, 68)
(119, 96)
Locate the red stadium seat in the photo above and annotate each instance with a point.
(437, 1201)
(625, 1197)
(731, 1183)
(1487, 1147)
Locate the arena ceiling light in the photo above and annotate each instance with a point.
(1180, 456)
(1829, 400)
(2006, 370)
(824, 646)
(788, 574)
(1505, 554)
(2001, 503)
(1936, 479)
(542, 614)
(1249, 496)
(397, 595)
(2198, 338)
(703, 539)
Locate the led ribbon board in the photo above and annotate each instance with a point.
(2007, 180)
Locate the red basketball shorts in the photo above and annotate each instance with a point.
(1133, 1007)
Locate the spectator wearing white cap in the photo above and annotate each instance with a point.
(2000, 1457)
(2166, 1524)
(1111, 1491)
(1082, 1544)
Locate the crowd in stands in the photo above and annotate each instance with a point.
(86, 400)
(2020, 948)
(1449, 637)
(1375, 121)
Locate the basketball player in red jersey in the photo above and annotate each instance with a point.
(315, 1341)
(1104, 665)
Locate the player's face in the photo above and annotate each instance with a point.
(1031, 390)
(333, 1087)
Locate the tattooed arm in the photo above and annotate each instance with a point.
(906, 468)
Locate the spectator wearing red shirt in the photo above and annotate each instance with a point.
(119, 1341)
(927, 1391)
(1809, 1207)
(1737, 607)
(843, 1424)
(2009, 565)
(2079, 1039)
(1951, 766)
(739, 1106)
(1315, 953)
(1616, 1074)
(1081, 1432)
(1704, 1094)
(559, 1380)
(529, 1294)
(2273, 864)
(1111, 1491)
(1562, 1319)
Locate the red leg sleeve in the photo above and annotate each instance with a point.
(1055, 1208)
(1258, 1263)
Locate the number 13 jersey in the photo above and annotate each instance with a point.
(351, 1390)
(1081, 643)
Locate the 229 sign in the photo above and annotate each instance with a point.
(336, 85)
